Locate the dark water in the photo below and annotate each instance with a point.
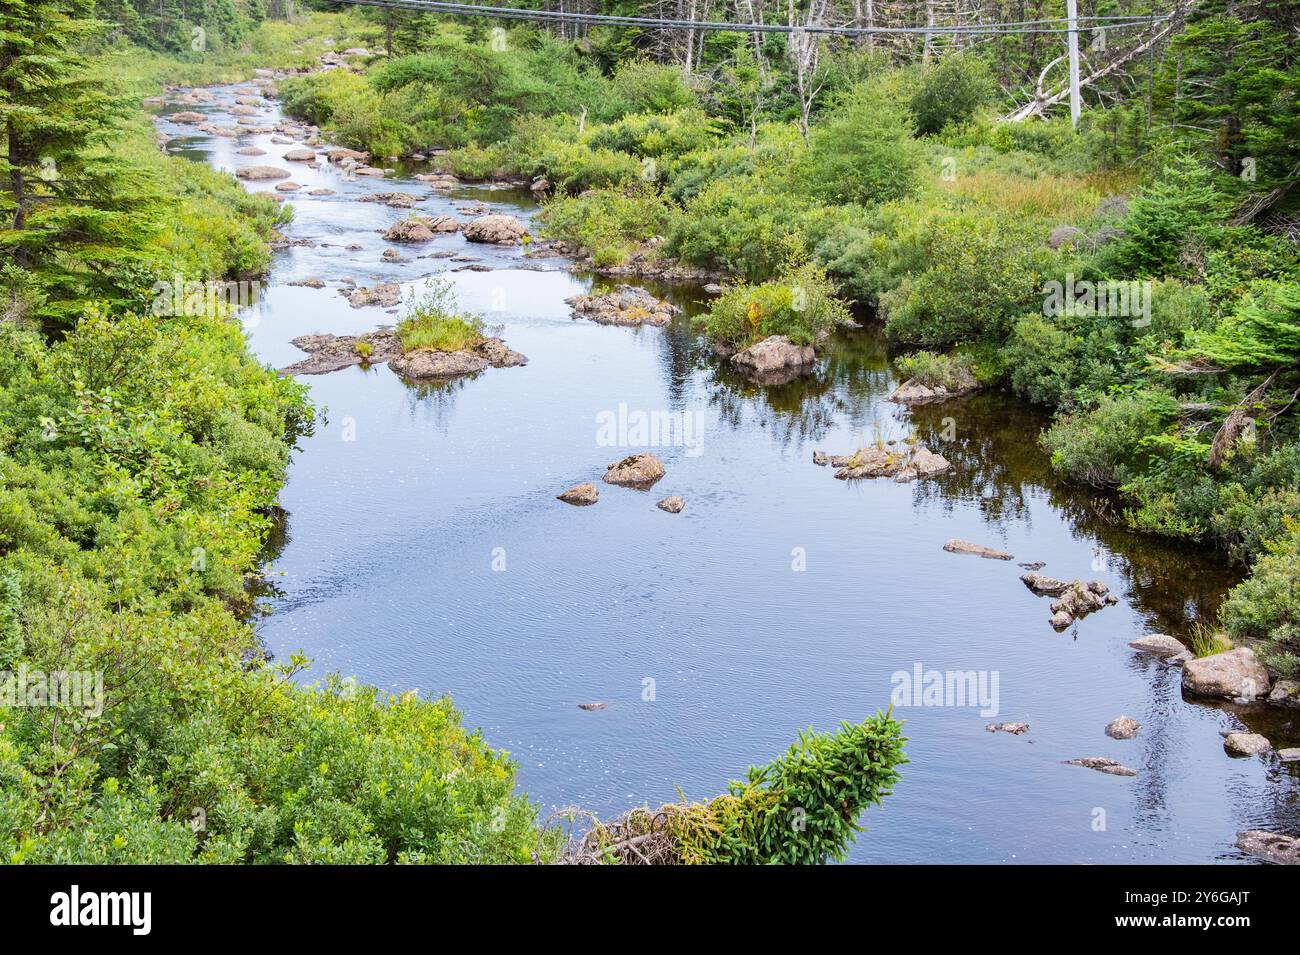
(779, 599)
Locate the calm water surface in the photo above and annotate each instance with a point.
(385, 568)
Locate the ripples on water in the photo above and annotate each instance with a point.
(387, 572)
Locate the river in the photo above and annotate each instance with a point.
(424, 548)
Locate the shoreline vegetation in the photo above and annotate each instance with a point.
(141, 454)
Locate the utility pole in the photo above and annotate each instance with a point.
(1072, 43)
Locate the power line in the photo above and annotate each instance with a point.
(1022, 27)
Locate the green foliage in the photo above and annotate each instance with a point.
(800, 809)
(1265, 609)
(609, 223)
(951, 92)
(934, 371)
(862, 152)
(1176, 211)
(1103, 445)
(801, 305)
(433, 322)
(1262, 333)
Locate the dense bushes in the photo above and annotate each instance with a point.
(801, 305)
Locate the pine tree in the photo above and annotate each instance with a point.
(70, 210)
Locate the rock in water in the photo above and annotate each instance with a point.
(1270, 846)
(1233, 674)
(636, 471)
(580, 495)
(1289, 755)
(385, 295)
(1015, 729)
(1103, 764)
(501, 229)
(673, 505)
(409, 230)
(1285, 693)
(1158, 644)
(912, 392)
(261, 172)
(774, 360)
(956, 546)
(1123, 727)
(1246, 744)
(592, 706)
(627, 305)
(301, 154)
(424, 364)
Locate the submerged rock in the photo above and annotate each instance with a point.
(1246, 744)
(1103, 764)
(1270, 846)
(501, 229)
(673, 504)
(626, 305)
(636, 470)
(956, 546)
(250, 151)
(1123, 727)
(1015, 729)
(580, 495)
(1233, 674)
(592, 706)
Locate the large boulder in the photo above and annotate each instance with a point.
(501, 229)
(1246, 744)
(338, 154)
(636, 470)
(261, 172)
(1233, 674)
(409, 230)
(774, 360)
(626, 305)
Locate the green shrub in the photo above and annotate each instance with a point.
(801, 809)
(609, 223)
(800, 305)
(1103, 445)
(951, 91)
(1265, 608)
(862, 152)
(433, 322)
(934, 371)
